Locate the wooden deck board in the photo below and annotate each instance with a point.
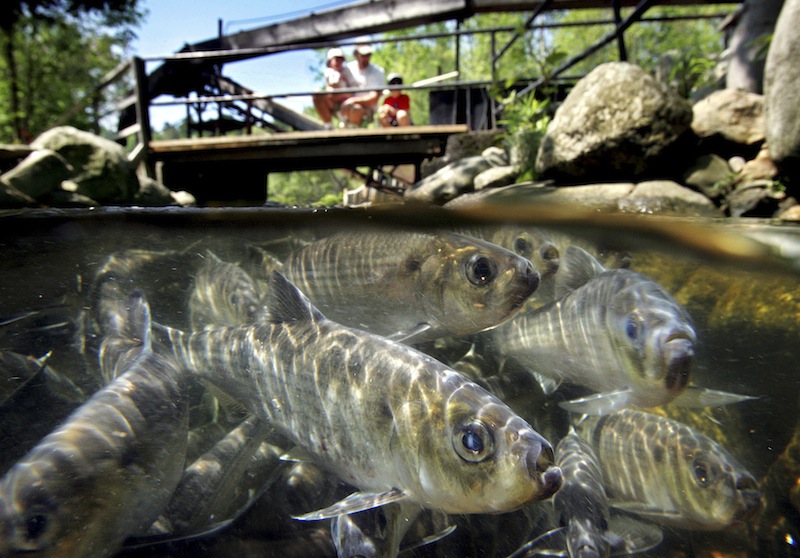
(319, 149)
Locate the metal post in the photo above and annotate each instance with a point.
(143, 112)
(623, 53)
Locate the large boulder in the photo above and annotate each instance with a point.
(39, 174)
(781, 79)
(730, 122)
(102, 171)
(617, 123)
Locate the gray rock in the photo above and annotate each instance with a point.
(101, 168)
(781, 79)
(754, 199)
(448, 182)
(152, 193)
(459, 146)
(730, 122)
(495, 177)
(39, 174)
(710, 175)
(666, 197)
(617, 122)
(496, 156)
(11, 197)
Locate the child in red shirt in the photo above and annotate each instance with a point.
(396, 106)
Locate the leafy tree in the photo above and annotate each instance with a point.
(53, 52)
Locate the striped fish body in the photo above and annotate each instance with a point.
(379, 414)
(582, 505)
(669, 473)
(223, 294)
(619, 331)
(103, 475)
(394, 283)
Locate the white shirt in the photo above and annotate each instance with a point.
(372, 77)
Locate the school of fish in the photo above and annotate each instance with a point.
(368, 393)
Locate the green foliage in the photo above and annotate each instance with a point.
(525, 120)
(308, 188)
(54, 53)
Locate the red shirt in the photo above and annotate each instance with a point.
(400, 102)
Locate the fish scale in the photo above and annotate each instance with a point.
(668, 472)
(108, 470)
(381, 415)
(394, 284)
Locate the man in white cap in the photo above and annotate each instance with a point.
(372, 78)
(337, 75)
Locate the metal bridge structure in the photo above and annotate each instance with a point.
(208, 166)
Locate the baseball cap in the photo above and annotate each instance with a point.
(394, 79)
(335, 53)
(363, 49)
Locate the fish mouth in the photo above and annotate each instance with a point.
(750, 497)
(678, 354)
(540, 459)
(528, 279)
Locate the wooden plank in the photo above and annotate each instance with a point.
(294, 151)
(160, 147)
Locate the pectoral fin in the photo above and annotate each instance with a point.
(697, 397)
(408, 337)
(631, 536)
(551, 543)
(547, 383)
(356, 502)
(656, 514)
(599, 403)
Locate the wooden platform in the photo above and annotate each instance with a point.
(323, 149)
(199, 165)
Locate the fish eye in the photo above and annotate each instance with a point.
(37, 526)
(473, 442)
(481, 270)
(35, 531)
(633, 327)
(703, 471)
(523, 247)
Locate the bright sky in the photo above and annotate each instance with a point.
(170, 24)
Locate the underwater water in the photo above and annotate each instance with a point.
(617, 316)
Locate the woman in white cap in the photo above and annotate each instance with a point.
(361, 106)
(337, 75)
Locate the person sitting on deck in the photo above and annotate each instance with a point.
(337, 75)
(395, 108)
(360, 108)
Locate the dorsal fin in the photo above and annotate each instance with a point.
(578, 267)
(287, 304)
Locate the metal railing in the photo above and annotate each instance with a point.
(134, 128)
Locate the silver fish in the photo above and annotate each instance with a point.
(223, 294)
(412, 286)
(531, 243)
(222, 483)
(381, 532)
(380, 415)
(615, 332)
(667, 472)
(108, 470)
(587, 528)
(18, 370)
